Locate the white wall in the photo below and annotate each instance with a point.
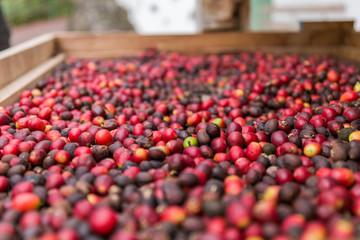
(162, 16)
(351, 11)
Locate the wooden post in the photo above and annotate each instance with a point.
(244, 15)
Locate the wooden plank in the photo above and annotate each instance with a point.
(333, 30)
(331, 51)
(349, 52)
(244, 15)
(353, 39)
(11, 92)
(132, 41)
(17, 60)
(129, 43)
(310, 26)
(88, 45)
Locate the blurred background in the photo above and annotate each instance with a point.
(29, 18)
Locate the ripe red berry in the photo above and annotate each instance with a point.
(238, 215)
(283, 176)
(4, 183)
(103, 137)
(169, 134)
(333, 76)
(253, 151)
(36, 124)
(62, 157)
(74, 134)
(312, 149)
(344, 176)
(25, 201)
(102, 220)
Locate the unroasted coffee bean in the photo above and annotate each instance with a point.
(213, 208)
(173, 193)
(339, 153)
(292, 161)
(288, 192)
(253, 176)
(188, 179)
(271, 126)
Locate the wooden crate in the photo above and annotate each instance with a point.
(21, 66)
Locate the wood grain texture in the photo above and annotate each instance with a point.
(17, 60)
(244, 13)
(311, 26)
(88, 45)
(330, 51)
(353, 39)
(127, 43)
(12, 91)
(349, 52)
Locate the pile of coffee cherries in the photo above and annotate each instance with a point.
(171, 146)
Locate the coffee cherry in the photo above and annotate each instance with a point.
(190, 141)
(102, 220)
(103, 137)
(25, 202)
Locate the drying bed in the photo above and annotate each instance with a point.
(165, 145)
